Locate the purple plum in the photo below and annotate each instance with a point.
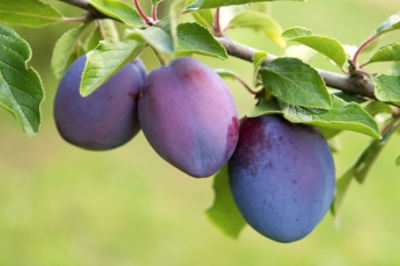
(188, 115)
(105, 119)
(282, 177)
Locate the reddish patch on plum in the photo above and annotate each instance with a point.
(232, 137)
(133, 96)
(193, 74)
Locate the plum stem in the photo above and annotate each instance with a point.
(101, 29)
(217, 23)
(347, 83)
(244, 83)
(72, 20)
(142, 14)
(160, 57)
(358, 68)
(154, 12)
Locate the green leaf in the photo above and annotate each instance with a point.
(219, 3)
(342, 186)
(158, 36)
(398, 161)
(342, 116)
(387, 88)
(325, 45)
(361, 167)
(395, 68)
(297, 32)
(204, 17)
(104, 61)
(224, 213)
(258, 60)
(302, 52)
(63, 50)
(21, 90)
(119, 10)
(295, 82)
(390, 52)
(33, 13)
(194, 38)
(350, 97)
(176, 12)
(265, 107)
(110, 30)
(93, 40)
(258, 21)
(376, 107)
(392, 23)
(225, 73)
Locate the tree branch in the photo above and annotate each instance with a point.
(84, 4)
(356, 84)
(351, 84)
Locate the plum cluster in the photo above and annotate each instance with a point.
(282, 175)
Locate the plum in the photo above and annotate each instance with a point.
(189, 117)
(282, 177)
(105, 119)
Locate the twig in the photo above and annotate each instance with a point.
(154, 12)
(161, 58)
(142, 14)
(217, 23)
(356, 84)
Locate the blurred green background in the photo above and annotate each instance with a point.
(60, 205)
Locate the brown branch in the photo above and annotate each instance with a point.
(84, 4)
(352, 84)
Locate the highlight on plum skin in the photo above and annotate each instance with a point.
(108, 117)
(282, 177)
(189, 117)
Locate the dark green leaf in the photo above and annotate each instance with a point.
(387, 88)
(194, 38)
(325, 45)
(295, 82)
(104, 61)
(265, 107)
(224, 213)
(119, 10)
(350, 97)
(33, 13)
(21, 90)
(63, 50)
(342, 116)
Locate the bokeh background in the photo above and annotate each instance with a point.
(61, 205)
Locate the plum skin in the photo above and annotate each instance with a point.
(189, 117)
(282, 177)
(107, 118)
